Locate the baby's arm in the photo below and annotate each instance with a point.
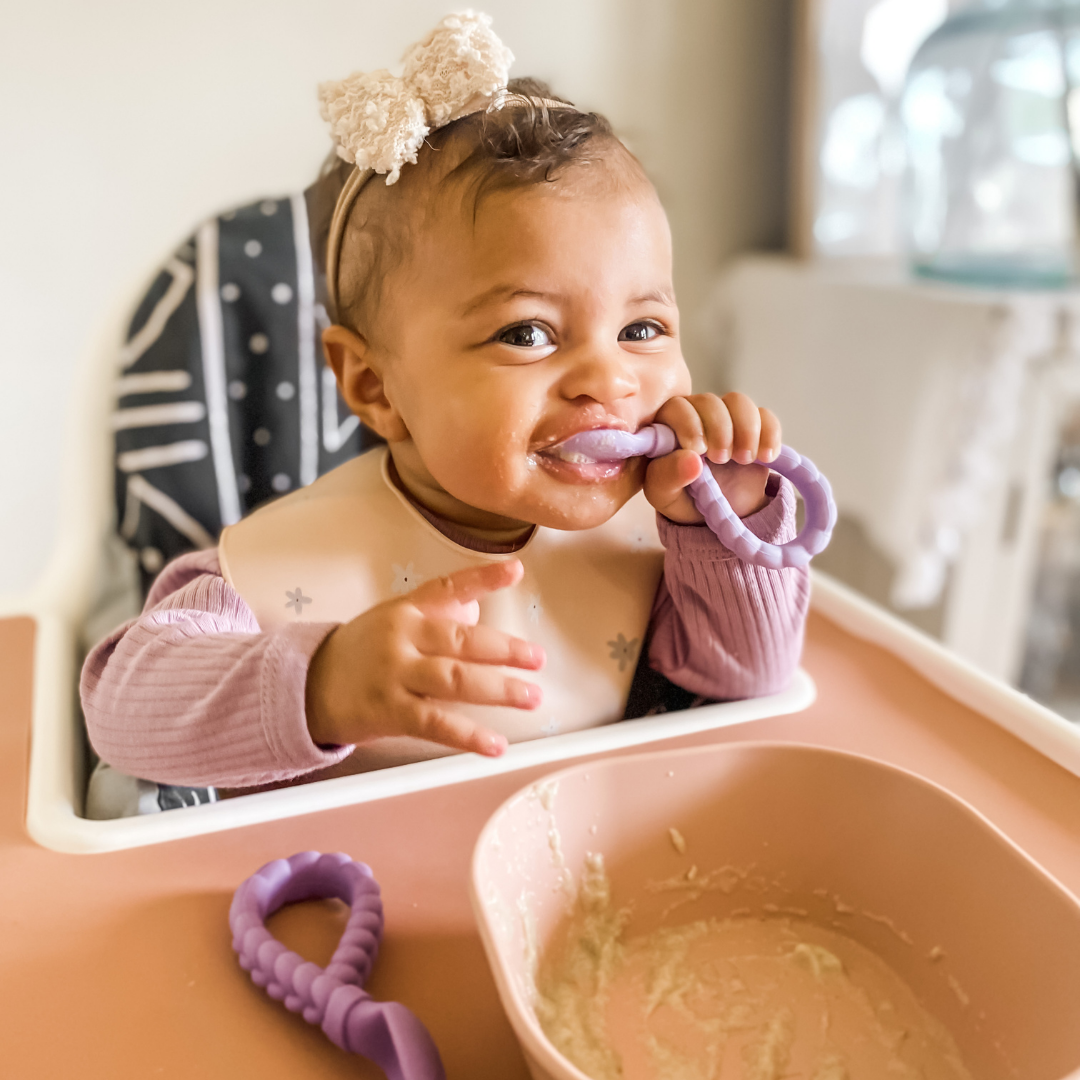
(721, 627)
(724, 628)
(191, 692)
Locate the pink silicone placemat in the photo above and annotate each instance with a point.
(129, 951)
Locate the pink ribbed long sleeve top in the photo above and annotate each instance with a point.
(193, 692)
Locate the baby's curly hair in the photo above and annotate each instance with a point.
(522, 143)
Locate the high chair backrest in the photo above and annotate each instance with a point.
(224, 401)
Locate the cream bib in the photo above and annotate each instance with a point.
(351, 540)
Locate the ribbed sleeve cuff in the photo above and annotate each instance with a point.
(281, 692)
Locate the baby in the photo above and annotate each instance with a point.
(472, 582)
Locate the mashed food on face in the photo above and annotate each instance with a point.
(730, 999)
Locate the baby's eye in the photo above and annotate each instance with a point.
(640, 331)
(525, 336)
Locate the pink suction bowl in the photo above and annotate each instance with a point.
(921, 874)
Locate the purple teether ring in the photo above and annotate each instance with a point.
(609, 444)
(386, 1032)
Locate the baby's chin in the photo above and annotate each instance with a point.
(578, 506)
(578, 520)
(539, 496)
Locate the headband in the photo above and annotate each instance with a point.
(379, 121)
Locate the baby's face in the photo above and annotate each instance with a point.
(551, 314)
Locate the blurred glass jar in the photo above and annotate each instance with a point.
(991, 116)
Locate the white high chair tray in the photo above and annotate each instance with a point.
(57, 779)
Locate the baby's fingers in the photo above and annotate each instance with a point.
(438, 725)
(455, 596)
(718, 426)
(746, 425)
(446, 679)
(478, 644)
(770, 441)
(683, 418)
(665, 482)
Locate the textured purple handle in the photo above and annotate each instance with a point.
(386, 1032)
(608, 444)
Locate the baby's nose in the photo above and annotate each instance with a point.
(603, 374)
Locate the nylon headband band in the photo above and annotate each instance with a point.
(359, 177)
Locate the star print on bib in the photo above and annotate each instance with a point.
(534, 609)
(623, 651)
(406, 578)
(297, 600)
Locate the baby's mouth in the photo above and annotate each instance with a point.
(562, 452)
(575, 466)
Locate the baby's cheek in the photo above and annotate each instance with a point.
(481, 472)
(669, 378)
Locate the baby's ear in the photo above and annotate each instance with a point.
(360, 380)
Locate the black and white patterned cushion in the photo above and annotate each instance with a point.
(224, 400)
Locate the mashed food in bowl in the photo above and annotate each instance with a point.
(747, 997)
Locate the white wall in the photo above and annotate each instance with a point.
(124, 122)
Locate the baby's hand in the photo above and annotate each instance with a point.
(732, 432)
(393, 669)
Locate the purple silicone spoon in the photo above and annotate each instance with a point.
(386, 1032)
(609, 444)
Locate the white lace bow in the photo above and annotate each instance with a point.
(379, 120)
